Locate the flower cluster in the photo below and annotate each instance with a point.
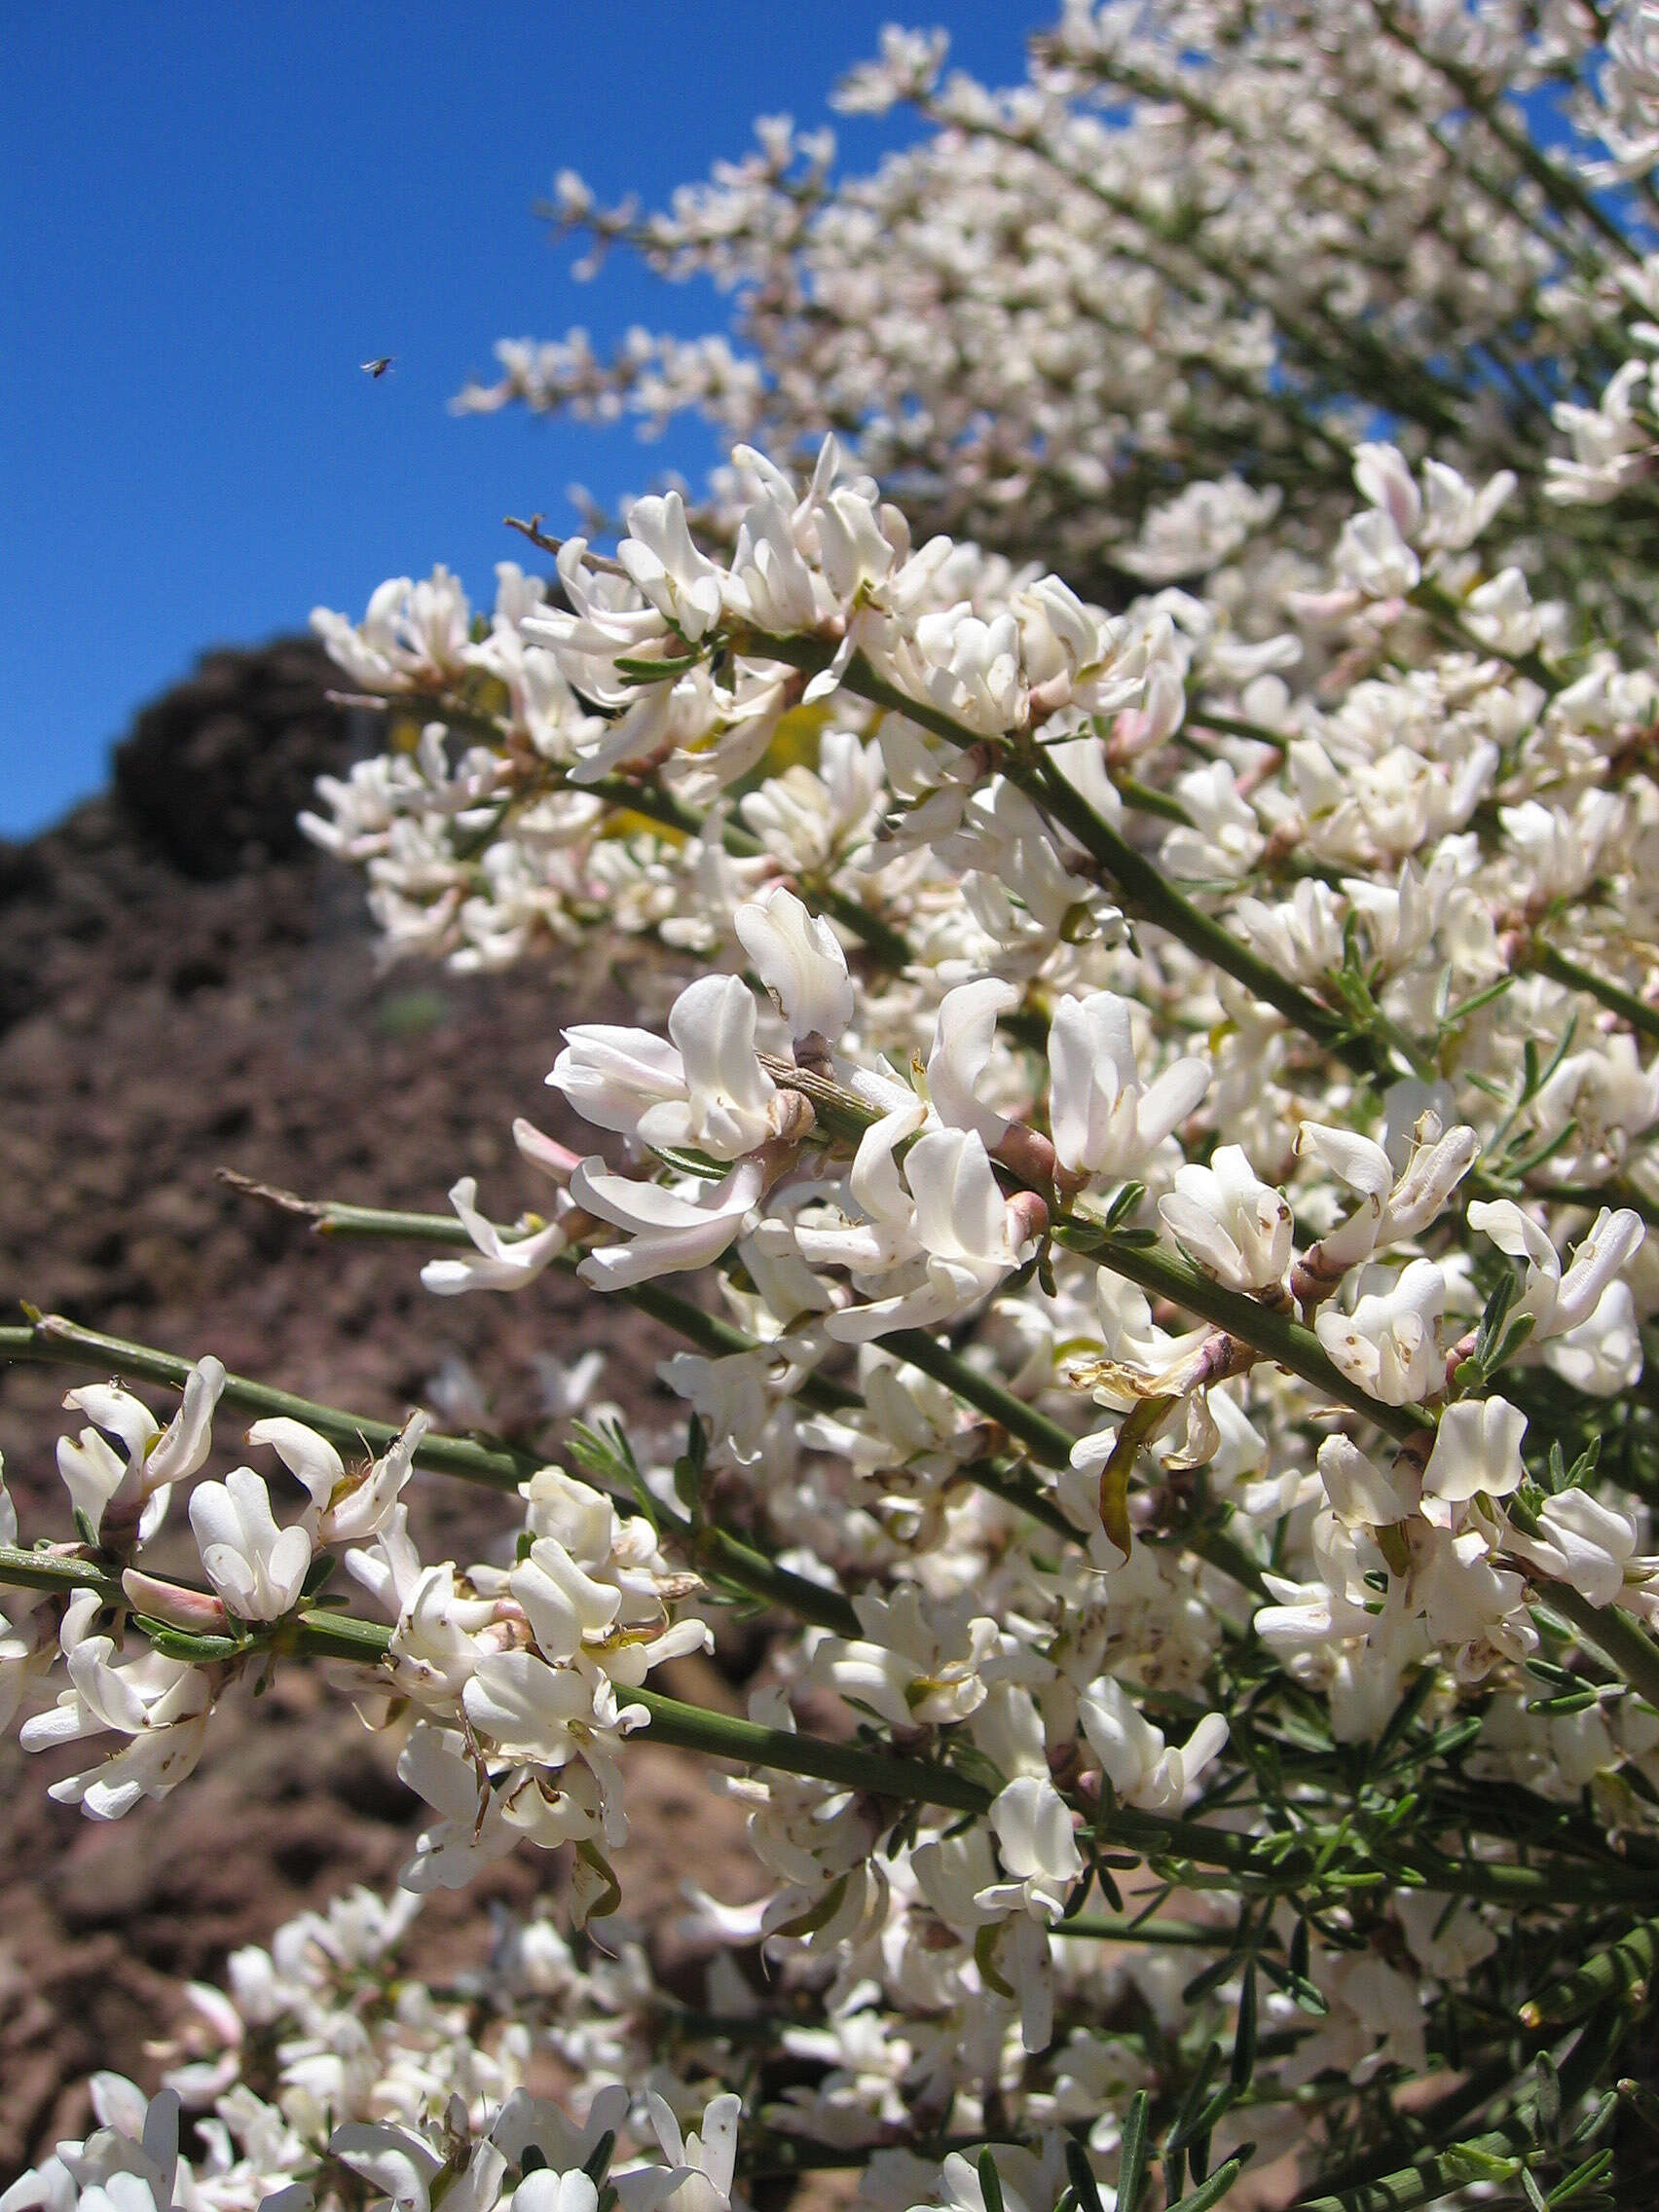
(1140, 1111)
(519, 1675)
(321, 2075)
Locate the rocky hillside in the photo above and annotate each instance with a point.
(185, 985)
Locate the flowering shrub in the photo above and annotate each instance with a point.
(1149, 1075)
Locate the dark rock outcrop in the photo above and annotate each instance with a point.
(216, 770)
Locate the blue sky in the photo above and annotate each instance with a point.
(212, 214)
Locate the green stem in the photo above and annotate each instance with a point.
(689, 1728)
(1143, 799)
(1563, 191)
(1636, 1012)
(733, 1561)
(1272, 1334)
(58, 1343)
(1150, 894)
(1447, 617)
(1623, 1965)
(1178, 1934)
(886, 945)
(1438, 2172)
(1201, 717)
(1144, 890)
(1433, 2176)
(319, 1635)
(1615, 1635)
(1046, 1440)
(1000, 1479)
(1253, 1861)
(332, 1217)
(1616, 1191)
(63, 1344)
(1050, 1444)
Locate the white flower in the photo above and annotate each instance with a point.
(432, 1646)
(1389, 1211)
(611, 1075)
(681, 584)
(502, 1263)
(1104, 1121)
(705, 2161)
(565, 1605)
(1360, 1493)
(730, 1104)
(160, 1705)
(913, 1666)
(526, 1709)
(1139, 1766)
(1602, 1356)
(1583, 1542)
(1237, 1228)
(969, 1236)
(1435, 1169)
(1035, 1843)
(1301, 937)
(964, 1034)
(400, 2164)
(132, 1490)
(257, 1567)
(1373, 559)
(1384, 478)
(672, 1232)
(1477, 1449)
(1387, 1344)
(545, 2190)
(471, 1832)
(971, 668)
(129, 2163)
(345, 1508)
(799, 958)
(1448, 1944)
(1560, 1302)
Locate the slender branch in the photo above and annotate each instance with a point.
(1258, 1862)
(1634, 1656)
(1563, 190)
(55, 1342)
(1432, 2176)
(555, 546)
(333, 1217)
(689, 1728)
(721, 1554)
(1439, 2170)
(1045, 1439)
(1446, 615)
(1143, 888)
(1050, 1444)
(1272, 1335)
(1438, 2123)
(1628, 1964)
(318, 1633)
(1636, 1012)
(1178, 1934)
(1617, 1190)
(729, 1558)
